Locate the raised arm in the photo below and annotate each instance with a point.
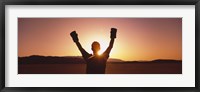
(74, 36)
(112, 39)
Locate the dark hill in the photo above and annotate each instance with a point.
(36, 59)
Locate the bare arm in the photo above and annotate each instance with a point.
(112, 36)
(84, 53)
(110, 46)
(74, 36)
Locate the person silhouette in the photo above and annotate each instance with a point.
(96, 64)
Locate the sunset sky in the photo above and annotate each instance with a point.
(137, 38)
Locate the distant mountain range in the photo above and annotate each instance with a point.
(37, 59)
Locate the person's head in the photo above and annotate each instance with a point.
(95, 47)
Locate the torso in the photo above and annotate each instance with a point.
(96, 64)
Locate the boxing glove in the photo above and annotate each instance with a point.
(74, 36)
(113, 33)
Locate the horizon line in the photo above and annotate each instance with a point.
(108, 58)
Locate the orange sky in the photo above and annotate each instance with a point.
(137, 38)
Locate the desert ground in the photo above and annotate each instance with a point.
(111, 68)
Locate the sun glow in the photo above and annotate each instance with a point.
(137, 38)
(98, 36)
(103, 46)
(99, 53)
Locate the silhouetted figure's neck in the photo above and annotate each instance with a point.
(95, 54)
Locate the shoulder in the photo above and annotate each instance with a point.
(86, 57)
(105, 55)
